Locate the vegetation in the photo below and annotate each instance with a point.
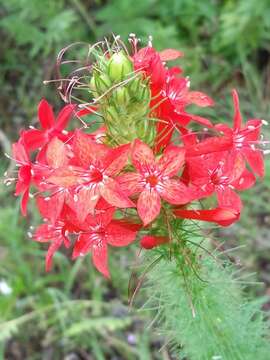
(72, 312)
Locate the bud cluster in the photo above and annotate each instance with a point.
(124, 97)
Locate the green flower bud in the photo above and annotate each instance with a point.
(111, 114)
(139, 90)
(119, 66)
(100, 83)
(121, 96)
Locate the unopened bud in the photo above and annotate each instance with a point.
(100, 83)
(121, 96)
(119, 66)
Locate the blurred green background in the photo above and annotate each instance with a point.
(72, 313)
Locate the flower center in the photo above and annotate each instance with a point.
(152, 180)
(96, 175)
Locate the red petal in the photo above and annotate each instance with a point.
(56, 153)
(148, 205)
(237, 120)
(255, 160)
(117, 159)
(227, 198)
(245, 181)
(45, 114)
(43, 233)
(170, 54)
(86, 200)
(129, 183)
(83, 245)
(119, 235)
(52, 206)
(149, 242)
(175, 192)
(223, 217)
(51, 251)
(100, 258)
(24, 202)
(34, 139)
(210, 145)
(199, 99)
(113, 194)
(24, 179)
(86, 151)
(142, 156)
(172, 160)
(64, 117)
(64, 177)
(19, 153)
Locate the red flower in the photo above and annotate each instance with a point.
(221, 216)
(154, 180)
(24, 175)
(56, 234)
(50, 127)
(221, 173)
(98, 165)
(100, 231)
(245, 138)
(56, 176)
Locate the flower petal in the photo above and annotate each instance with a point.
(175, 192)
(51, 206)
(172, 160)
(130, 183)
(255, 160)
(200, 99)
(56, 153)
(245, 181)
(237, 120)
(86, 151)
(120, 234)
(113, 194)
(221, 216)
(142, 156)
(45, 114)
(100, 258)
(55, 245)
(84, 201)
(83, 245)
(170, 54)
(34, 139)
(116, 159)
(64, 117)
(227, 198)
(148, 205)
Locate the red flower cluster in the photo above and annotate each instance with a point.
(91, 195)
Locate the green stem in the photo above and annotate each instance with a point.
(205, 320)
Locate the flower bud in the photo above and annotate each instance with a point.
(100, 83)
(119, 66)
(121, 96)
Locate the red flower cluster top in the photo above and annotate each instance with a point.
(91, 195)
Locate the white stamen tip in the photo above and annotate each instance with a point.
(265, 122)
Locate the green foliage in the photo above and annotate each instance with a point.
(208, 317)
